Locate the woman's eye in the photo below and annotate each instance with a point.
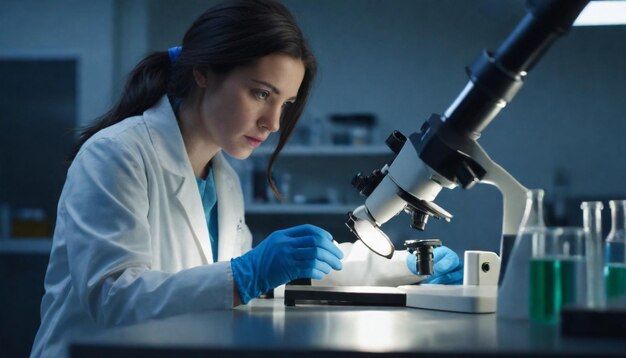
(261, 95)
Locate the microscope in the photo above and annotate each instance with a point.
(445, 152)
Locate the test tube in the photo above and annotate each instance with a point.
(544, 290)
(592, 222)
(615, 251)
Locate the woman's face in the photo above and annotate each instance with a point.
(238, 112)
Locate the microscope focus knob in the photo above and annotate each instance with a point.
(359, 181)
(395, 141)
(366, 184)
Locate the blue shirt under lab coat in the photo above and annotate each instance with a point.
(209, 203)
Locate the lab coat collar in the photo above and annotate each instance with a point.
(172, 155)
(167, 138)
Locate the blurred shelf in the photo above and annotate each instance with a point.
(299, 209)
(31, 245)
(327, 150)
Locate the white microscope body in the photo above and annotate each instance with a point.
(445, 154)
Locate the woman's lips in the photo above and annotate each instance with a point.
(254, 142)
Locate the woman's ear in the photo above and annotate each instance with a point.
(200, 75)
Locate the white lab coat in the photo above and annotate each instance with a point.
(131, 240)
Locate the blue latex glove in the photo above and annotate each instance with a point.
(447, 268)
(304, 251)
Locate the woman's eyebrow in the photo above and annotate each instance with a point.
(272, 87)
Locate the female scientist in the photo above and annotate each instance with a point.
(151, 219)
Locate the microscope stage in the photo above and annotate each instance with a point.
(469, 299)
(344, 295)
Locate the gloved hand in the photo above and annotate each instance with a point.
(304, 251)
(447, 268)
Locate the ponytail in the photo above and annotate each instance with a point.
(146, 84)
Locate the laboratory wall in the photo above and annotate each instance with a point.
(82, 30)
(405, 60)
(402, 60)
(397, 60)
(56, 65)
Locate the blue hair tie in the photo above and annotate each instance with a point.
(174, 52)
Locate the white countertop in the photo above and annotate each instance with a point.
(268, 328)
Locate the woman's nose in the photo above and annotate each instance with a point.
(271, 119)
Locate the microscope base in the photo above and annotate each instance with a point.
(468, 299)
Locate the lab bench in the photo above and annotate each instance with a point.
(35, 246)
(267, 328)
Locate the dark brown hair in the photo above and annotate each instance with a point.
(230, 34)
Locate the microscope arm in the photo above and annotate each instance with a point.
(513, 200)
(513, 193)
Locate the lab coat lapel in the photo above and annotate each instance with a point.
(230, 209)
(188, 197)
(179, 177)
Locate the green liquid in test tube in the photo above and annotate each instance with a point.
(615, 280)
(572, 274)
(545, 289)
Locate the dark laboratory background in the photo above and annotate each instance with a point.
(383, 65)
